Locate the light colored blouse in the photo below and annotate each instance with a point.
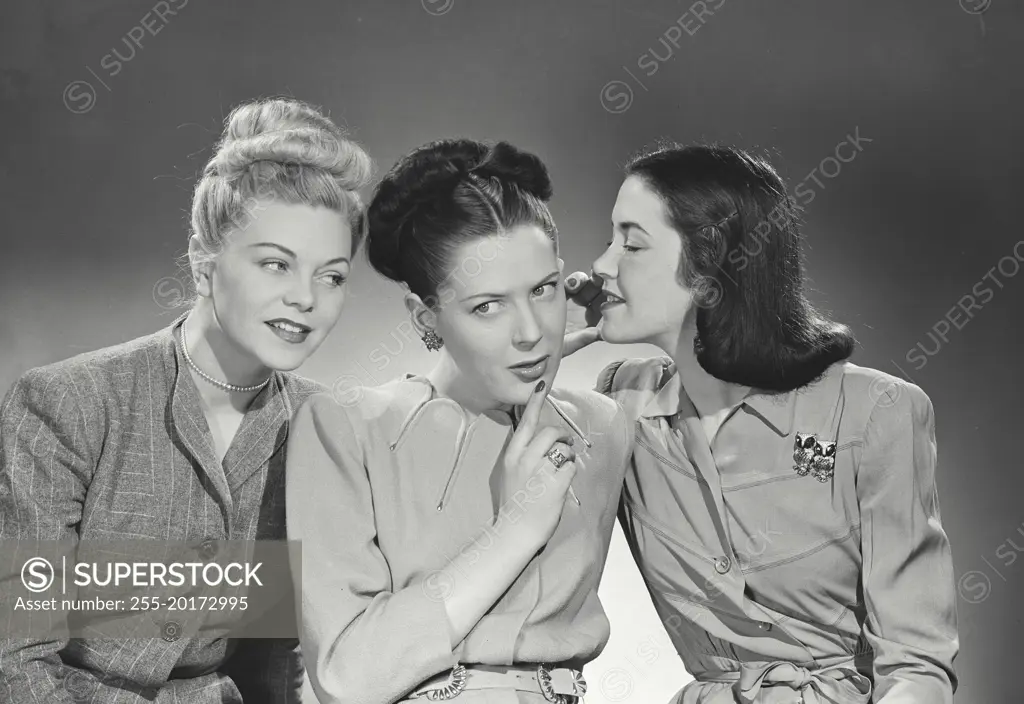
(383, 493)
(776, 584)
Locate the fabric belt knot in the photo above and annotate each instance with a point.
(752, 678)
(836, 684)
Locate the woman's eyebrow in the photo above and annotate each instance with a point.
(502, 294)
(287, 251)
(293, 255)
(630, 225)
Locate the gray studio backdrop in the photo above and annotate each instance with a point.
(899, 123)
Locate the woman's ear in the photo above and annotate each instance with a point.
(200, 264)
(422, 316)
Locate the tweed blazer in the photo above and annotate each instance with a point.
(113, 444)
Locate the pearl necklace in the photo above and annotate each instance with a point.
(216, 382)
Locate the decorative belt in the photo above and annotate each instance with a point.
(560, 685)
(822, 686)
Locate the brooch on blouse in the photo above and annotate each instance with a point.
(814, 456)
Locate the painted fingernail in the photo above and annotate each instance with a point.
(540, 385)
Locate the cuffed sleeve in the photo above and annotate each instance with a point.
(363, 642)
(622, 422)
(606, 377)
(46, 463)
(908, 578)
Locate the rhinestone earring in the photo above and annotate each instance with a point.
(432, 340)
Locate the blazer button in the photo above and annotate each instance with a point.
(171, 631)
(723, 565)
(764, 626)
(208, 549)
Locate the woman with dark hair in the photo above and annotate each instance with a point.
(462, 518)
(781, 501)
(178, 436)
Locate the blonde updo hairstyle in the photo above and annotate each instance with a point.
(282, 150)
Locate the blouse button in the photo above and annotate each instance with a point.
(764, 626)
(722, 565)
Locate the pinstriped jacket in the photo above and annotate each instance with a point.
(114, 444)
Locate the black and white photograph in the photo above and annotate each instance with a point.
(492, 352)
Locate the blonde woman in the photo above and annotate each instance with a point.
(179, 435)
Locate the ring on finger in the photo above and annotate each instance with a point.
(557, 457)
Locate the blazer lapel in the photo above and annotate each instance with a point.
(189, 424)
(262, 432)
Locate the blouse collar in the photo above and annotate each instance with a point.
(775, 408)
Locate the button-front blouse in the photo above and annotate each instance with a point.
(823, 568)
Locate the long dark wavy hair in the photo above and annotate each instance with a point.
(742, 260)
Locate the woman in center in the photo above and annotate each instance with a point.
(454, 526)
